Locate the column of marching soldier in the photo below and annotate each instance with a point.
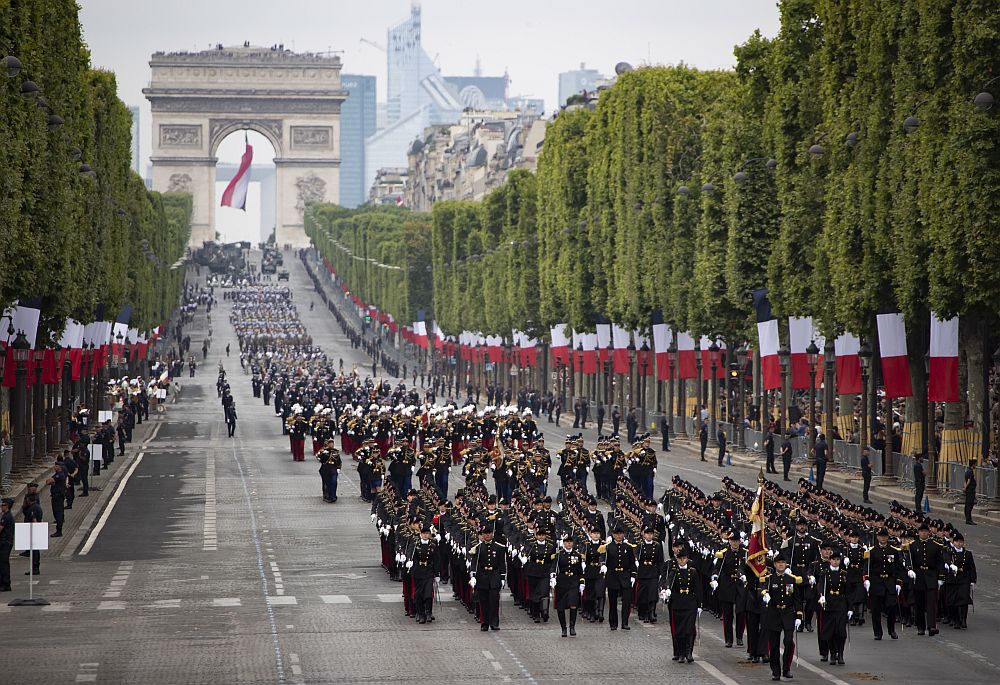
(826, 558)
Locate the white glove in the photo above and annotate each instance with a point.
(847, 562)
(772, 553)
(413, 469)
(604, 569)
(912, 574)
(940, 583)
(581, 589)
(850, 615)
(899, 588)
(374, 517)
(338, 471)
(633, 580)
(438, 537)
(409, 564)
(608, 541)
(972, 586)
(767, 598)
(447, 536)
(954, 569)
(437, 579)
(822, 600)
(503, 583)
(743, 578)
(699, 611)
(788, 571)
(714, 585)
(868, 585)
(812, 580)
(583, 565)
(468, 564)
(523, 558)
(399, 558)
(798, 623)
(472, 581)
(552, 582)
(664, 595)
(715, 577)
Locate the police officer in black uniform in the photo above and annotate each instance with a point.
(620, 577)
(57, 489)
(6, 541)
(782, 615)
(488, 567)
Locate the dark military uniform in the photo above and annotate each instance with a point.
(834, 603)
(568, 576)
(885, 573)
(620, 579)
(685, 599)
(781, 612)
(489, 569)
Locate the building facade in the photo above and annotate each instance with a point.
(466, 160)
(574, 82)
(357, 123)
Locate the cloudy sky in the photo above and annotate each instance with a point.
(533, 40)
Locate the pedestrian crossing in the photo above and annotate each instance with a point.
(187, 604)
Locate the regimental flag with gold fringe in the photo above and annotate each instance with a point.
(757, 548)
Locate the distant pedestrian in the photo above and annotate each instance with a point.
(919, 482)
(970, 492)
(866, 473)
(703, 438)
(227, 349)
(231, 419)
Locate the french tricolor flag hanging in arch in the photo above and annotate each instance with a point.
(235, 195)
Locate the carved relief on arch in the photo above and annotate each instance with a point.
(270, 128)
(311, 188)
(179, 183)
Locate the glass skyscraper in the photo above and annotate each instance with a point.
(357, 122)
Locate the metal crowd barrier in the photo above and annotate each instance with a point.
(6, 466)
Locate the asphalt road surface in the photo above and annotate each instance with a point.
(220, 563)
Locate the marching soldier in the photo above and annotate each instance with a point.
(649, 556)
(801, 550)
(424, 570)
(568, 583)
(959, 582)
(595, 557)
(883, 582)
(683, 594)
(541, 556)
(488, 566)
(834, 609)
(729, 584)
(782, 616)
(620, 577)
(926, 574)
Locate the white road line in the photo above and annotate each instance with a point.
(390, 599)
(87, 672)
(211, 540)
(227, 602)
(111, 606)
(715, 673)
(279, 661)
(517, 662)
(110, 507)
(335, 599)
(281, 599)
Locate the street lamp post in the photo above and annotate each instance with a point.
(713, 384)
(865, 353)
(630, 386)
(609, 379)
(812, 355)
(927, 429)
(785, 361)
(643, 369)
(20, 349)
(701, 391)
(672, 364)
(741, 360)
(830, 362)
(38, 424)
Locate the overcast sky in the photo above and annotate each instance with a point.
(533, 39)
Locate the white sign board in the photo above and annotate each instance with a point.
(31, 536)
(103, 416)
(161, 394)
(97, 453)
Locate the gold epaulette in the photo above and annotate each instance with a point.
(721, 553)
(601, 549)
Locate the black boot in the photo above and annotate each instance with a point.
(572, 622)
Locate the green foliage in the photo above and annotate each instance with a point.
(68, 238)
(382, 254)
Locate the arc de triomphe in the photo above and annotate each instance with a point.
(199, 98)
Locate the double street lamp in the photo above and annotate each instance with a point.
(713, 357)
(741, 361)
(865, 353)
(785, 361)
(19, 352)
(812, 356)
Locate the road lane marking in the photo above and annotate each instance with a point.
(279, 660)
(227, 602)
(335, 599)
(210, 535)
(110, 507)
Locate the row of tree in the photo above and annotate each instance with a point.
(79, 227)
(382, 255)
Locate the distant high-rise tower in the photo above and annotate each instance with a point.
(357, 122)
(573, 82)
(134, 111)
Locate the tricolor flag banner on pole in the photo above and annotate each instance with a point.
(235, 194)
(943, 379)
(662, 336)
(892, 347)
(706, 358)
(846, 347)
(494, 348)
(23, 316)
(767, 337)
(800, 334)
(757, 544)
(438, 337)
(687, 367)
(603, 336)
(589, 352)
(620, 340)
(560, 344)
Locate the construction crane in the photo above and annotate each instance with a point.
(375, 45)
